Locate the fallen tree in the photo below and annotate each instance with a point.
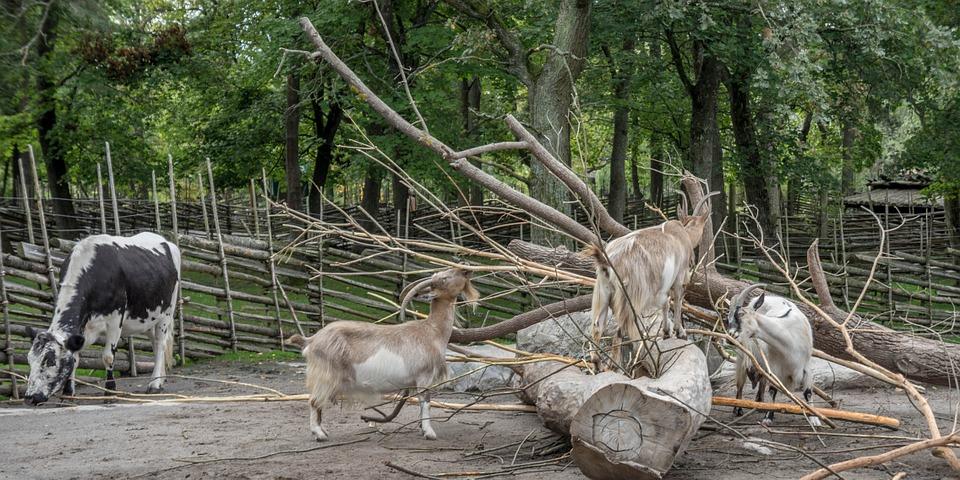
(572, 401)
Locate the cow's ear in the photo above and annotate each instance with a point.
(32, 333)
(74, 342)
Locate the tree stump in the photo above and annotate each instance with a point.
(622, 428)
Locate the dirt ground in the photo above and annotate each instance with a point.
(97, 441)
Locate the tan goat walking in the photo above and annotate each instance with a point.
(358, 361)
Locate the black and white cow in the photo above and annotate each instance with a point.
(110, 287)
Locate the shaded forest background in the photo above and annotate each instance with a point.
(769, 100)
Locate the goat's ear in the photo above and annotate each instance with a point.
(760, 299)
(32, 333)
(470, 293)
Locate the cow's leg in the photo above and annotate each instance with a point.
(428, 432)
(160, 335)
(316, 411)
(110, 350)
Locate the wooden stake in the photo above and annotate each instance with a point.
(856, 417)
(7, 348)
(176, 241)
(272, 266)
(223, 259)
(43, 223)
(255, 209)
(156, 199)
(26, 201)
(203, 205)
(117, 231)
(103, 209)
(113, 193)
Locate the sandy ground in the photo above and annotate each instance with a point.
(153, 441)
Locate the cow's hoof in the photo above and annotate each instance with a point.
(152, 389)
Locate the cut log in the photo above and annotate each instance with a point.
(622, 428)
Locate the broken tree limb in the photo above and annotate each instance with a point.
(919, 359)
(845, 415)
(560, 257)
(519, 322)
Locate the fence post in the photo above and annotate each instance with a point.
(176, 241)
(255, 209)
(103, 209)
(927, 266)
(26, 201)
(223, 258)
(156, 200)
(131, 351)
(8, 348)
(43, 224)
(886, 226)
(203, 206)
(272, 265)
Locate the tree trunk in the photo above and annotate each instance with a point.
(617, 202)
(951, 207)
(657, 150)
(401, 192)
(292, 145)
(371, 192)
(470, 103)
(325, 130)
(752, 165)
(623, 428)
(848, 137)
(53, 151)
(705, 154)
(549, 99)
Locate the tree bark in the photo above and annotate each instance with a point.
(325, 128)
(292, 142)
(53, 151)
(622, 75)
(470, 103)
(848, 137)
(753, 167)
(657, 150)
(549, 99)
(370, 201)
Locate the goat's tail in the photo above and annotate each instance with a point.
(597, 254)
(297, 340)
(602, 295)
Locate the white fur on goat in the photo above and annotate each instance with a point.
(779, 336)
(639, 272)
(358, 361)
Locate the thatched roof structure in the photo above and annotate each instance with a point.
(902, 192)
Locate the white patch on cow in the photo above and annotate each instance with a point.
(384, 371)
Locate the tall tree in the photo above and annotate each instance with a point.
(469, 105)
(292, 141)
(550, 86)
(622, 74)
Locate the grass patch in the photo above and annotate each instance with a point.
(90, 372)
(253, 357)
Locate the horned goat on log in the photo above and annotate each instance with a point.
(357, 360)
(639, 272)
(778, 335)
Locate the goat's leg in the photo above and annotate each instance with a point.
(387, 418)
(814, 420)
(316, 412)
(768, 418)
(761, 388)
(428, 432)
(678, 312)
(741, 376)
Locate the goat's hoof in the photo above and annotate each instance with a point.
(153, 389)
(319, 435)
(814, 421)
(766, 422)
(430, 435)
(682, 334)
(738, 412)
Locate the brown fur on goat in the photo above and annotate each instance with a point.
(638, 273)
(358, 360)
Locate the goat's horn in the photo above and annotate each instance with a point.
(702, 201)
(738, 300)
(408, 293)
(682, 212)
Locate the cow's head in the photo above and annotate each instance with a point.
(52, 363)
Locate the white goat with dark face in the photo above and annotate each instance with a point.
(639, 272)
(358, 360)
(774, 329)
